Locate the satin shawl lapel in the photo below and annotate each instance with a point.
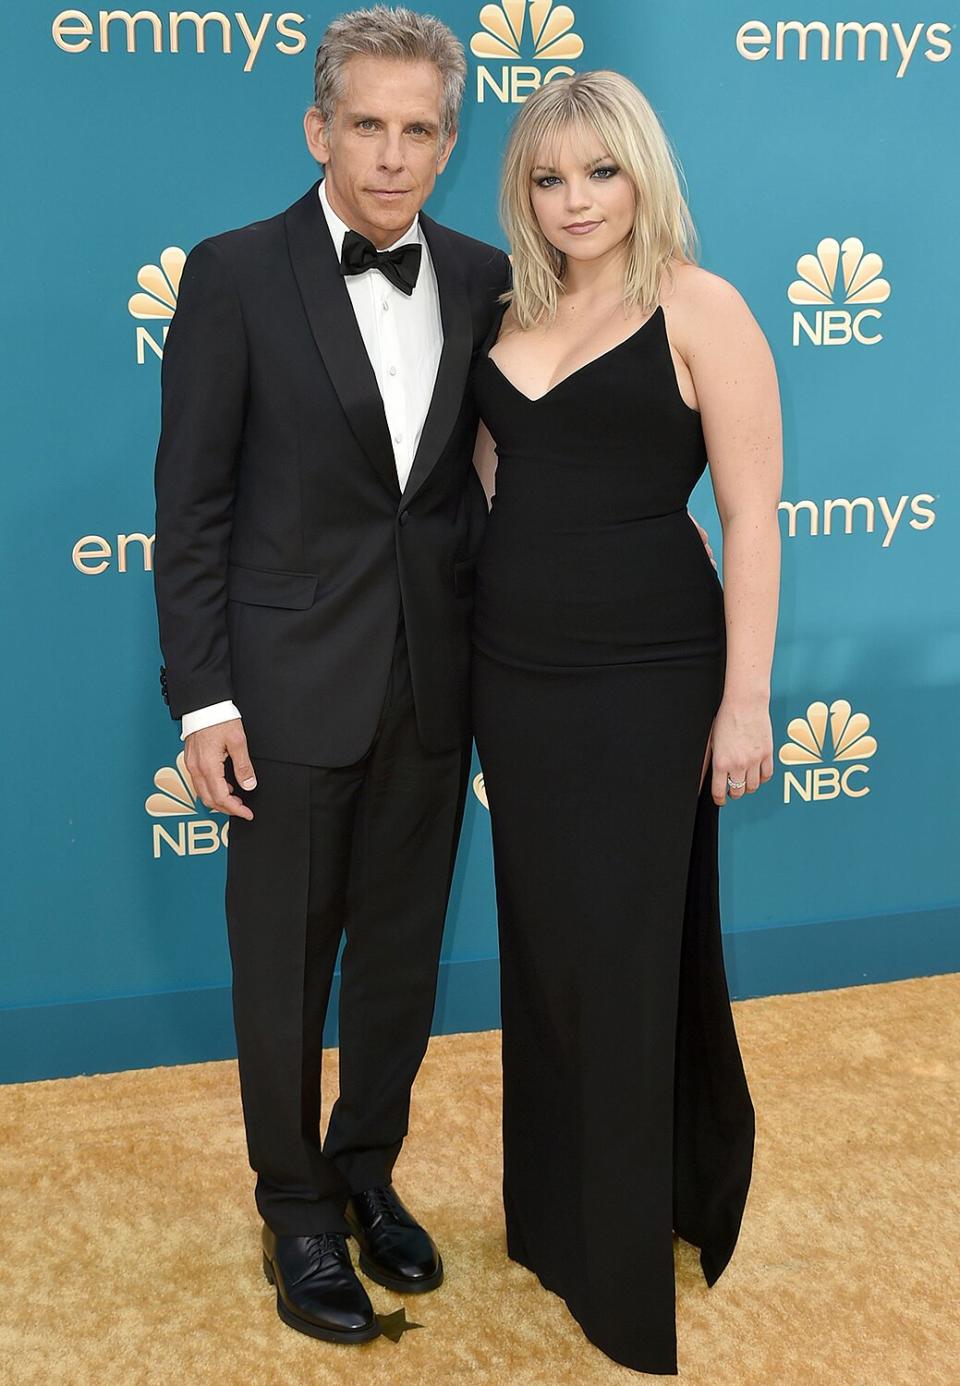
(454, 359)
(336, 333)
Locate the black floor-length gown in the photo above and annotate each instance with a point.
(599, 662)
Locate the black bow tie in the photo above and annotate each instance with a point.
(401, 266)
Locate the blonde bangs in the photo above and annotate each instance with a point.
(608, 106)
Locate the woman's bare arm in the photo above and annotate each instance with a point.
(736, 384)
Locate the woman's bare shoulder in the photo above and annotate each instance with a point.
(711, 326)
(692, 295)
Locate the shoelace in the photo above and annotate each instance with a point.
(326, 1244)
(323, 1248)
(383, 1200)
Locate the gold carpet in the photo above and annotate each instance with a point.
(130, 1241)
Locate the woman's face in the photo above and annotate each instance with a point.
(584, 202)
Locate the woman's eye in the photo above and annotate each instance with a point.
(547, 181)
(605, 171)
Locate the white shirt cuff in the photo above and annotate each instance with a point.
(207, 717)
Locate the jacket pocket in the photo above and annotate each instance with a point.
(265, 587)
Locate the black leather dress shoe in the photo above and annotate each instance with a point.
(395, 1251)
(318, 1292)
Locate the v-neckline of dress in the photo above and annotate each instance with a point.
(535, 399)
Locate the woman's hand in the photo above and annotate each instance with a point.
(742, 745)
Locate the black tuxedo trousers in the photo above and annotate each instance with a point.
(368, 847)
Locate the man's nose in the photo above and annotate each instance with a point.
(391, 152)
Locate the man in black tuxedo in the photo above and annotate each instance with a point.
(317, 525)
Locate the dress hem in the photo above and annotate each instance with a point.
(591, 1337)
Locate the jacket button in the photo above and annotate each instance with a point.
(404, 516)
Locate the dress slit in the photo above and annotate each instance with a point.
(714, 1123)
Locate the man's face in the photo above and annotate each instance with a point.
(382, 150)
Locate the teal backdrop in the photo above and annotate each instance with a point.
(820, 161)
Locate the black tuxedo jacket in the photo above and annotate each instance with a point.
(284, 547)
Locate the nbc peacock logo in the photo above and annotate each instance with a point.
(517, 29)
(834, 286)
(188, 835)
(851, 744)
(157, 301)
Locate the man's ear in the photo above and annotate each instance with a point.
(447, 150)
(316, 132)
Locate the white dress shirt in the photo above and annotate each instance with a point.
(403, 337)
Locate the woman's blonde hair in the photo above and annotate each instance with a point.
(609, 106)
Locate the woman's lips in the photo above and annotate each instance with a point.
(582, 228)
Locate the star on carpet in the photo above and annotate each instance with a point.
(394, 1325)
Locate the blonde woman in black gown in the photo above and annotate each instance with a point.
(620, 698)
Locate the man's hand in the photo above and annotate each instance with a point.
(706, 541)
(205, 752)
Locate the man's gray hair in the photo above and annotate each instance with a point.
(381, 32)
